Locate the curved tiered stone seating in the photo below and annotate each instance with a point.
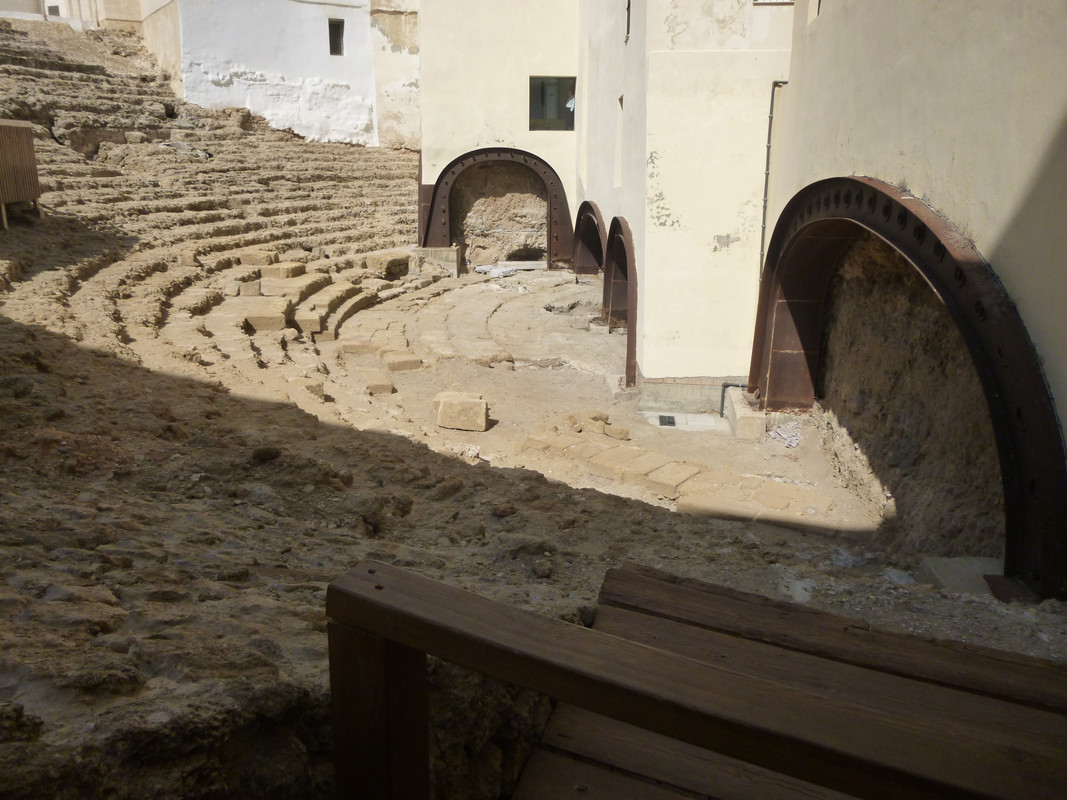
(190, 194)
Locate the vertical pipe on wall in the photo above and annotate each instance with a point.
(767, 176)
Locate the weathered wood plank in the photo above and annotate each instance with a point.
(977, 669)
(380, 716)
(550, 776)
(951, 711)
(675, 763)
(785, 729)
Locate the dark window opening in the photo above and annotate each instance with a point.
(337, 37)
(552, 104)
(53, 11)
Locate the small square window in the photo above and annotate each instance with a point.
(337, 37)
(552, 104)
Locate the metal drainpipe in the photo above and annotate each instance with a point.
(767, 176)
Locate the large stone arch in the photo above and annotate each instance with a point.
(590, 240)
(620, 289)
(435, 215)
(814, 231)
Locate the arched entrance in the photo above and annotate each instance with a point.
(620, 290)
(815, 230)
(590, 240)
(436, 219)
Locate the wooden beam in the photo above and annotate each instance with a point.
(787, 729)
(381, 718)
(981, 670)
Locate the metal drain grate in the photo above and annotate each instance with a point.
(666, 421)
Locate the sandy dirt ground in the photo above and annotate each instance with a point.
(177, 489)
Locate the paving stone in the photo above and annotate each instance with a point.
(710, 481)
(461, 411)
(551, 441)
(775, 495)
(669, 477)
(400, 361)
(644, 464)
(585, 450)
(250, 289)
(713, 505)
(613, 463)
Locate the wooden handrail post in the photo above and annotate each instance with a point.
(380, 703)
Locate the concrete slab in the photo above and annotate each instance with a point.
(963, 575)
(746, 422)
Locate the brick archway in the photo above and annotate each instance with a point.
(590, 240)
(434, 211)
(815, 230)
(620, 289)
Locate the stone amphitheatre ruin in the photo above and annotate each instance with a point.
(217, 363)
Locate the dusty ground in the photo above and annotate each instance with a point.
(176, 491)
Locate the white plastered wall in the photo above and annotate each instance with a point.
(273, 58)
(961, 102)
(477, 59)
(395, 42)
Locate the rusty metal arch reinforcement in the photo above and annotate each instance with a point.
(620, 268)
(814, 231)
(590, 239)
(434, 218)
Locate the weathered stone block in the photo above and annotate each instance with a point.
(461, 411)
(257, 257)
(267, 313)
(379, 383)
(401, 361)
(359, 346)
(392, 263)
(284, 269)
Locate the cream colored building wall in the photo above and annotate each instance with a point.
(611, 113)
(272, 57)
(162, 34)
(21, 9)
(477, 59)
(697, 77)
(395, 41)
(962, 102)
(122, 13)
